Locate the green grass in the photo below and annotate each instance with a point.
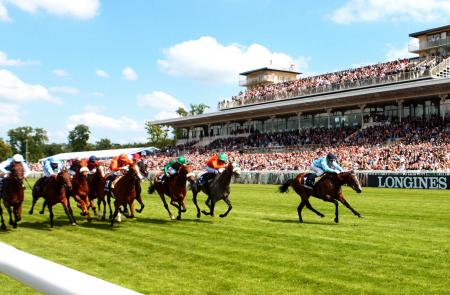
(401, 246)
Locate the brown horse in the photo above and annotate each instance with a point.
(124, 193)
(80, 192)
(54, 190)
(175, 188)
(328, 189)
(13, 195)
(97, 191)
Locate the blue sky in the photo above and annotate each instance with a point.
(115, 64)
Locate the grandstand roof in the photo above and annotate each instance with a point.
(335, 100)
(101, 154)
(417, 34)
(269, 69)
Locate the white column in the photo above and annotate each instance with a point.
(273, 123)
(400, 110)
(442, 105)
(299, 118)
(361, 108)
(328, 117)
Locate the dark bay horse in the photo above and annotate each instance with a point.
(97, 191)
(328, 189)
(13, 194)
(174, 187)
(219, 189)
(124, 193)
(54, 190)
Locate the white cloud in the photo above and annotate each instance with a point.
(374, 10)
(3, 13)
(207, 60)
(394, 53)
(14, 89)
(101, 73)
(80, 9)
(65, 90)
(160, 101)
(129, 74)
(97, 94)
(61, 73)
(5, 61)
(93, 119)
(9, 114)
(163, 115)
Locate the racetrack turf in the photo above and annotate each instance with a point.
(402, 246)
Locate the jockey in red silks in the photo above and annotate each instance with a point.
(216, 164)
(118, 166)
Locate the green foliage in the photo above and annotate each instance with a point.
(158, 136)
(400, 247)
(25, 137)
(198, 109)
(53, 149)
(5, 150)
(103, 144)
(182, 112)
(78, 138)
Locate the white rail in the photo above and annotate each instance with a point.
(52, 278)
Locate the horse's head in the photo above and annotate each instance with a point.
(17, 171)
(63, 179)
(187, 171)
(143, 169)
(350, 179)
(235, 169)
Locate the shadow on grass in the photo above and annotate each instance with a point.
(297, 222)
(167, 221)
(39, 225)
(99, 225)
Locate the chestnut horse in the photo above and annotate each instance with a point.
(124, 193)
(13, 194)
(328, 189)
(80, 191)
(218, 189)
(54, 190)
(174, 187)
(97, 191)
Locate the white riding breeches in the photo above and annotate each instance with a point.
(211, 170)
(171, 170)
(317, 171)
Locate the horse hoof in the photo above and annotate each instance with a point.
(204, 212)
(89, 219)
(30, 212)
(14, 225)
(11, 223)
(198, 215)
(3, 227)
(222, 215)
(178, 217)
(336, 220)
(172, 217)
(360, 216)
(40, 212)
(83, 214)
(73, 224)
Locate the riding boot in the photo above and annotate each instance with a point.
(308, 181)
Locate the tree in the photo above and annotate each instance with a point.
(78, 138)
(182, 112)
(23, 138)
(53, 149)
(157, 135)
(103, 144)
(5, 150)
(198, 109)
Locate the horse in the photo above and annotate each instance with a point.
(13, 195)
(124, 193)
(219, 189)
(96, 183)
(80, 191)
(174, 187)
(55, 189)
(328, 189)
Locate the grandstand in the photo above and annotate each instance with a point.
(355, 98)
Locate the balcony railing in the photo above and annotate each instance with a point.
(414, 47)
(288, 93)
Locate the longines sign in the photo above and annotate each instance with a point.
(421, 181)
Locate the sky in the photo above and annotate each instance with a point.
(115, 64)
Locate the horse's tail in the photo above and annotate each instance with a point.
(152, 188)
(285, 187)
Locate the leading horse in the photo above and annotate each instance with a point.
(13, 194)
(218, 189)
(54, 190)
(174, 187)
(328, 189)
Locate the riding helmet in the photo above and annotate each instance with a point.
(223, 157)
(92, 159)
(18, 158)
(136, 156)
(331, 156)
(181, 160)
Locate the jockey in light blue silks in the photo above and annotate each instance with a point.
(319, 167)
(6, 166)
(51, 167)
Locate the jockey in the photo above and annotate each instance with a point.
(117, 167)
(172, 167)
(216, 164)
(6, 166)
(319, 167)
(76, 164)
(51, 167)
(93, 164)
(141, 166)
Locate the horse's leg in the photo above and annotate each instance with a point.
(213, 204)
(92, 205)
(66, 209)
(299, 210)
(11, 222)
(43, 207)
(208, 203)
(16, 216)
(194, 199)
(116, 212)
(163, 199)
(308, 205)
(179, 210)
(108, 199)
(3, 226)
(346, 204)
(139, 198)
(50, 209)
(228, 201)
(336, 213)
(131, 215)
(32, 205)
